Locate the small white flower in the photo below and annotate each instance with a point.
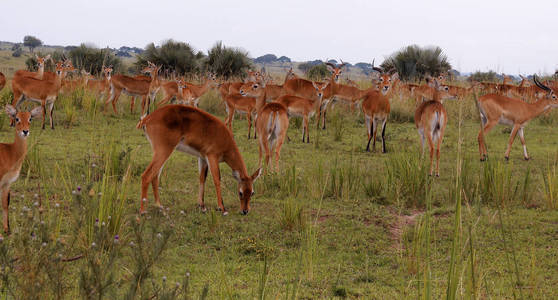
(159, 235)
(93, 165)
(36, 195)
(57, 205)
(164, 278)
(103, 224)
(93, 245)
(182, 212)
(36, 203)
(22, 196)
(44, 244)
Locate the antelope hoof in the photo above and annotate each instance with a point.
(437, 174)
(203, 208)
(244, 212)
(507, 158)
(527, 158)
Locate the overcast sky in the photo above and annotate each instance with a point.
(505, 36)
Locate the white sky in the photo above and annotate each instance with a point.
(505, 36)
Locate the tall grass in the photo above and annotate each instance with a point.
(407, 180)
(550, 188)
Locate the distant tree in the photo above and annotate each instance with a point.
(227, 62)
(304, 67)
(172, 56)
(17, 50)
(366, 68)
(489, 76)
(121, 53)
(333, 61)
(414, 62)
(318, 72)
(266, 59)
(284, 59)
(31, 42)
(93, 59)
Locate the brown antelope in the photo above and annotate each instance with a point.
(305, 107)
(12, 156)
(2, 81)
(430, 121)
(272, 122)
(376, 107)
(496, 109)
(42, 91)
(197, 90)
(134, 87)
(240, 103)
(347, 93)
(183, 94)
(295, 86)
(99, 86)
(40, 69)
(195, 132)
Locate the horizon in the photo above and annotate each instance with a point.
(307, 31)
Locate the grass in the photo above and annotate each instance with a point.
(325, 226)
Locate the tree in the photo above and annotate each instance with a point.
(265, 59)
(318, 72)
(31, 42)
(17, 50)
(414, 62)
(173, 56)
(227, 62)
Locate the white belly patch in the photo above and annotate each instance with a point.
(182, 147)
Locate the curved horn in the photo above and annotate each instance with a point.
(540, 85)
(342, 63)
(376, 68)
(331, 65)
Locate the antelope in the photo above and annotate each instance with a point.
(197, 90)
(42, 91)
(195, 132)
(430, 121)
(272, 122)
(305, 107)
(12, 156)
(100, 86)
(303, 88)
(139, 86)
(40, 70)
(183, 94)
(2, 81)
(345, 92)
(376, 107)
(496, 109)
(238, 102)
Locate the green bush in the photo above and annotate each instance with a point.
(92, 59)
(415, 62)
(172, 56)
(227, 62)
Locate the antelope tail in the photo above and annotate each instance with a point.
(273, 122)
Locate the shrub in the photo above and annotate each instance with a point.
(415, 62)
(318, 72)
(227, 62)
(93, 59)
(174, 56)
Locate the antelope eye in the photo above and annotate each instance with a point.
(253, 192)
(240, 193)
(17, 119)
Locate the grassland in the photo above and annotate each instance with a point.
(336, 221)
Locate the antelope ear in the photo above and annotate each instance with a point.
(315, 85)
(236, 175)
(47, 57)
(395, 76)
(375, 75)
(11, 111)
(36, 112)
(256, 174)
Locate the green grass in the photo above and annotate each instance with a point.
(335, 222)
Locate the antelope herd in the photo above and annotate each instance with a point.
(268, 107)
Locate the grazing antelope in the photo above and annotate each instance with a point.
(12, 156)
(193, 131)
(376, 107)
(305, 107)
(430, 121)
(197, 90)
(496, 109)
(42, 91)
(272, 122)
(2, 81)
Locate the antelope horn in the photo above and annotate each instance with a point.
(376, 68)
(331, 65)
(342, 63)
(540, 85)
